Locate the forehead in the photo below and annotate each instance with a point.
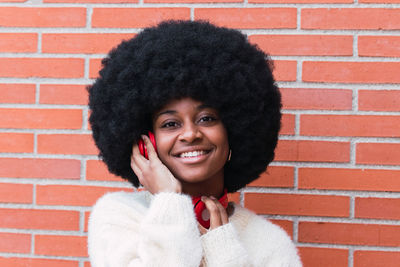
(185, 105)
(182, 103)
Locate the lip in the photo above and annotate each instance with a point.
(192, 160)
(191, 149)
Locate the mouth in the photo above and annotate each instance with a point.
(193, 154)
(196, 156)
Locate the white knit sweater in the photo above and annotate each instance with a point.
(139, 229)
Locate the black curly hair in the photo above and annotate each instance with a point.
(177, 59)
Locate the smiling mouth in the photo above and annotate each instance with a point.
(193, 154)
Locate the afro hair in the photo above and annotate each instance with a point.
(177, 59)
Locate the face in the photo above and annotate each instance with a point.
(191, 140)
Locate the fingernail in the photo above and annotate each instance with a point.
(213, 198)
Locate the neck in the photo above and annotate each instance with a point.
(210, 187)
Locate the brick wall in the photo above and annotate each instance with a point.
(335, 184)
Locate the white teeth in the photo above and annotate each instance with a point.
(192, 154)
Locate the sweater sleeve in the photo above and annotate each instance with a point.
(164, 234)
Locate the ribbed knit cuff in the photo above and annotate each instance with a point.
(169, 208)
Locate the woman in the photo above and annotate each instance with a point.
(211, 101)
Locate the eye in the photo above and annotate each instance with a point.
(207, 119)
(169, 124)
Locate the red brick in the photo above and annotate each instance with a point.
(64, 94)
(327, 257)
(193, 1)
(378, 153)
(35, 262)
(349, 234)
(25, 118)
(249, 18)
(42, 17)
(33, 219)
(285, 70)
(87, 264)
(300, 1)
(17, 93)
(97, 170)
(304, 45)
(42, 67)
(94, 67)
(315, 151)
(40, 168)
(379, 46)
(365, 258)
(275, 176)
(16, 193)
(349, 179)
(136, 17)
(85, 43)
(81, 144)
(18, 42)
(298, 204)
(377, 208)
(72, 195)
(16, 142)
(288, 124)
(382, 100)
(233, 197)
(91, 1)
(15, 243)
(316, 99)
(285, 225)
(380, 1)
(351, 72)
(350, 18)
(350, 125)
(87, 216)
(61, 245)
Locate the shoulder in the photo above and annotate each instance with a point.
(267, 242)
(251, 223)
(117, 207)
(123, 198)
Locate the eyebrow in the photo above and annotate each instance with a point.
(171, 111)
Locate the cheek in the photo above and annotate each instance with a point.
(220, 138)
(223, 137)
(164, 145)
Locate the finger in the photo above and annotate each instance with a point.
(215, 217)
(138, 158)
(134, 164)
(222, 211)
(201, 229)
(151, 152)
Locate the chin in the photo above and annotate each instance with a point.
(191, 178)
(194, 176)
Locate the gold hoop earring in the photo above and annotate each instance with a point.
(230, 154)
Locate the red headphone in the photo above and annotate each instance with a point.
(202, 214)
(142, 146)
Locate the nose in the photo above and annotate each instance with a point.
(190, 133)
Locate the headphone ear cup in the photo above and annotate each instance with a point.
(142, 147)
(199, 210)
(153, 140)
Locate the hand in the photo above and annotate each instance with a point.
(152, 173)
(218, 214)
